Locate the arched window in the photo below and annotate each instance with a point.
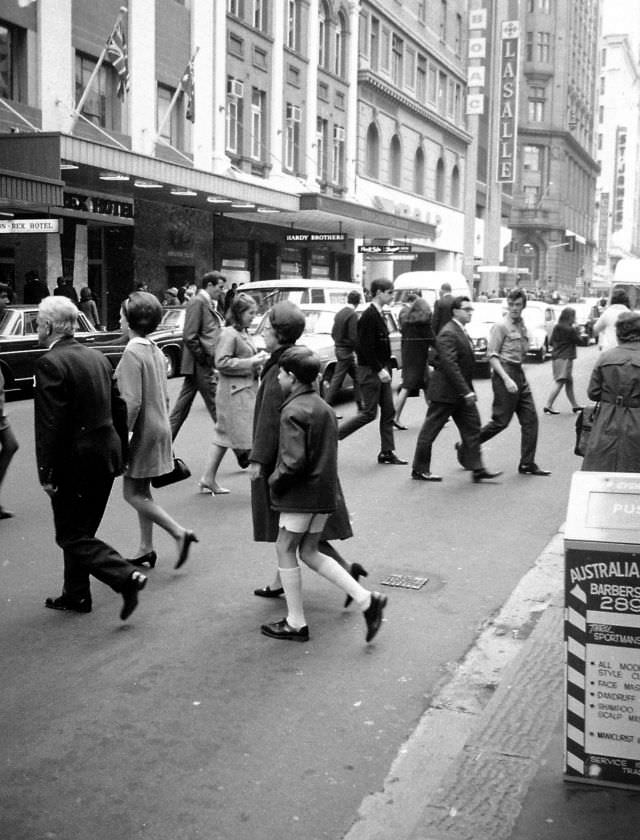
(323, 35)
(418, 172)
(340, 45)
(396, 161)
(372, 160)
(455, 187)
(440, 180)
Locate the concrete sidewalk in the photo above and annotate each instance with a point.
(486, 761)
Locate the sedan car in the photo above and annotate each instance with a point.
(484, 316)
(317, 336)
(19, 347)
(168, 337)
(540, 319)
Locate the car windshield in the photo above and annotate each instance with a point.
(171, 318)
(5, 320)
(319, 322)
(266, 298)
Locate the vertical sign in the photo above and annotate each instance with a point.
(618, 179)
(508, 101)
(477, 53)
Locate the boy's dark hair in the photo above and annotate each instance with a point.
(517, 294)
(288, 322)
(143, 312)
(302, 362)
(380, 285)
(354, 298)
(458, 301)
(620, 296)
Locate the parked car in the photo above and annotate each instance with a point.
(584, 321)
(317, 336)
(19, 347)
(484, 316)
(540, 319)
(168, 337)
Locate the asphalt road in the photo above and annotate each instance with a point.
(185, 722)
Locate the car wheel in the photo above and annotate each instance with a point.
(327, 376)
(171, 362)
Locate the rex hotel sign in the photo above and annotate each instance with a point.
(508, 106)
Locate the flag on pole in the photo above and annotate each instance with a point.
(116, 52)
(187, 86)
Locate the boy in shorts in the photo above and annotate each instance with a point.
(303, 490)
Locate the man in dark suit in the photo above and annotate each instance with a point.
(373, 351)
(34, 289)
(442, 308)
(345, 336)
(451, 394)
(80, 432)
(202, 326)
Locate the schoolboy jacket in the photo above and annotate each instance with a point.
(305, 479)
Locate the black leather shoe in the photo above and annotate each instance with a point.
(281, 630)
(5, 514)
(459, 450)
(400, 426)
(421, 476)
(373, 614)
(188, 538)
(390, 458)
(267, 592)
(136, 582)
(63, 603)
(356, 571)
(149, 560)
(548, 410)
(532, 469)
(484, 475)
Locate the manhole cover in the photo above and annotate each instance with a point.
(404, 581)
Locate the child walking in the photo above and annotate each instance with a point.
(303, 490)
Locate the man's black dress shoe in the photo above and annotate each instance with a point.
(63, 603)
(400, 426)
(421, 476)
(281, 630)
(390, 457)
(484, 475)
(373, 614)
(532, 469)
(136, 582)
(149, 559)
(5, 514)
(267, 592)
(356, 571)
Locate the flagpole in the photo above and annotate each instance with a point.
(102, 131)
(96, 69)
(174, 98)
(19, 115)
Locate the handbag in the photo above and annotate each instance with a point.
(179, 472)
(584, 423)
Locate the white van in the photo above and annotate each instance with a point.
(300, 290)
(428, 284)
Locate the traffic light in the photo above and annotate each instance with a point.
(569, 242)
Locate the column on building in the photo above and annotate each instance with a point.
(220, 163)
(202, 36)
(351, 129)
(311, 105)
(142, 76)
(276, 88)
(55, 66)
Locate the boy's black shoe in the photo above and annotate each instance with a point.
(129, 593)
(63, 603)
(390, 457)
(282, 630)
(373, 614)
(532, 469)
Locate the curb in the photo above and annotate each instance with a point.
(466, 768)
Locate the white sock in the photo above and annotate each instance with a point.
(291, 580)
(333, 571)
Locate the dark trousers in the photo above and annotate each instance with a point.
(202, 381)
(505, 405)
(373, 393)
(467, 419)
(345, 364)
(78, 508)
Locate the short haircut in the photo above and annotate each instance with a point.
(86, 293)
(213, 277)
(446, 287)
(143, 312)
(620, 296)
(628, 327)
(302, 362)
(60, 313)
(458, 301)
(354, 298)
(380, 285)
(517, 294)
(239, 306)
(288, 322)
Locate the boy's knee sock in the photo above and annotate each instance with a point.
(291, 580)
(330, 570)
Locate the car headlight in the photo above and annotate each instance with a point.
(480, 343)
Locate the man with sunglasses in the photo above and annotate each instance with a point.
(451, 395)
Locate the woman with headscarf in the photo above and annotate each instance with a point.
(614, 442)
(417, 337)
(283, 327)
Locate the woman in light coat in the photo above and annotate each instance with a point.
(238, 364)
(142, 382)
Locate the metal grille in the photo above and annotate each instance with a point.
(404, 581)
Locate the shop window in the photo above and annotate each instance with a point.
(12, 62)
(372, 160)
(418, 172)
(101, 106)
(395, 152)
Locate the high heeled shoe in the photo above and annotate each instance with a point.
(400, 426)
(203, 487)
(185, 544)
(548, 410)
(356, 571)
(149, 560)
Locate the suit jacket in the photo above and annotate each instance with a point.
(345, 329)
(202, 325)
(80, 418)
(441, 312)
(452, 378)
(373, 347)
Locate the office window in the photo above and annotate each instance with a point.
(544, 47)
(374, 44)
(418, 172)
(293, 75)
(321, 149)
(235, 94)
(235, 7)
(528, 49)
(258, 100)
(337, 160)
(323, 34)
(236, 45)
(385, 47)
(293, 22)
(432, 86)
(455, 187)
(451, 87)
(442, 93)
(443, 20)
(340, 45)
(395, 158)
(292, 138)
(531, 158)
(397, 48)
(258, 14)
(170, 127)
(457, 41)
(421, 79)
(410, 68)
(536, 104)
(440, 180)
(12, 62)
(372, 159)
(101, 106)
(259, 58)
(363, 35)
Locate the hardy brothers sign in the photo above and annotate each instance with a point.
(508, 101)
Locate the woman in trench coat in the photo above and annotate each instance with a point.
(614, 442)
(284, 326)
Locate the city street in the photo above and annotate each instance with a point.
(185, 722)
